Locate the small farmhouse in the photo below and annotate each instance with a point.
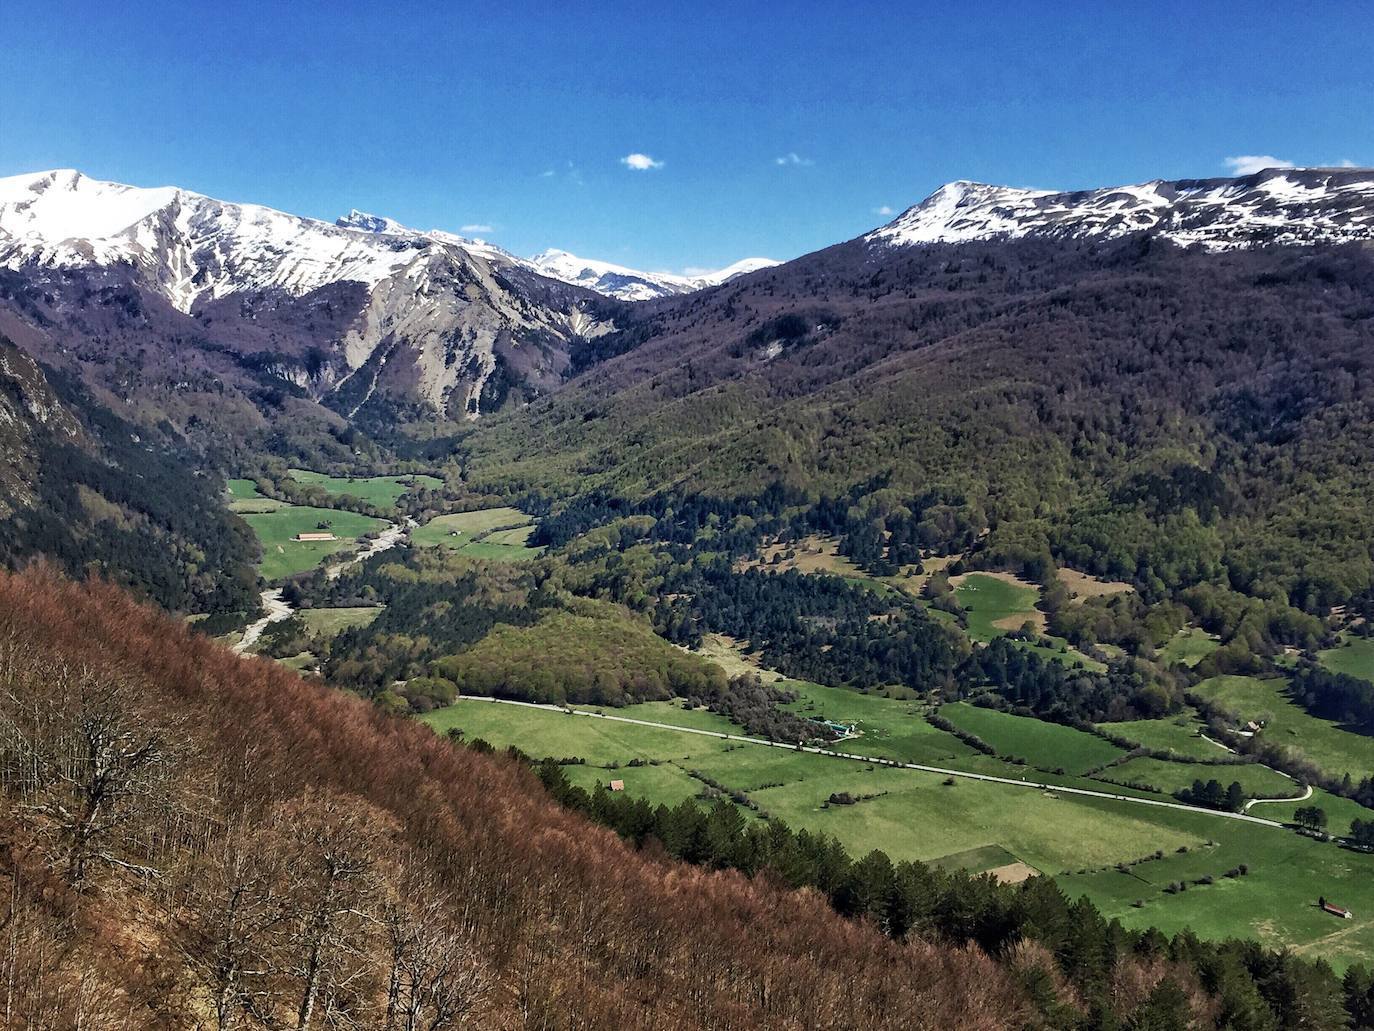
(321, 536)
(617, 785)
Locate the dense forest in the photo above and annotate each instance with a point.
(101, 496)
(1188, 417)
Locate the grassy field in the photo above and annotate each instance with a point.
(331, 621)
(1334, 750)
(1189, 646)
(1255, 780)
(1354, 657)
(281, 556)
(886, 727)
(381, 491)
(1048, 745)
(245, 498)
(980, 826)
(1275, 902)
(996, 605)
(497, 534)
(1177, 734)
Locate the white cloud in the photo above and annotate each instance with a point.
(1346, 163)
(476, 227)
(548, 173)
(640, 162)
(883, 209)
(1248, 164)
(792, 158)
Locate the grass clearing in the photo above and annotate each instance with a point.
(997, 603)
(1334, 750)
(244, 498)
(495, 534)
(1189, 646)
(1047, 745)
(282, 556)
(1354, 657)
(382, 491)
(329, 622)
(1178, 734)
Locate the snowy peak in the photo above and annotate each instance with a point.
(1275, 206)
(368, 223)
(631, 284)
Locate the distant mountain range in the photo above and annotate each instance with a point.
(985, 334)
(1275, 206)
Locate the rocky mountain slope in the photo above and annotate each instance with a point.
(1275, 206)
(418, 320)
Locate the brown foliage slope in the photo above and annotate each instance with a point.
(566, 927)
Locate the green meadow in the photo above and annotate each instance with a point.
(382, 491)
(1179, 734)
(282, 556)
(1354, 657)
(1189, 646)
(910, 814)
(996, 606)
(329, 622)
(244, 498)
(1255, 780)
(1047, 745)
(495, 534)
(1334, 750)
(990, 601)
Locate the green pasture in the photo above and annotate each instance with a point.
(329, 622)
(495, 534)
(916, 815)
(1255, 780)
(1354, 657)
(282, 556)
(1177, 734)
(1334, 750)
(1042, 744)
(382, 491)
(989, 600)
(1189, 646)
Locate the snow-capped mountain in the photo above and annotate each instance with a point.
(451, 307)
(1275, 206)
(631, 284)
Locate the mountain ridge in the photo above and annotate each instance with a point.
(1273, 206)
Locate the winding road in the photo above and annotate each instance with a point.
(877, 761)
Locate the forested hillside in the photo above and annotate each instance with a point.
(1165, 416)
(83, 487)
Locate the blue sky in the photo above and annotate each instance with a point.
(773, 129)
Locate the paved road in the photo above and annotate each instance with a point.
(1299, 798)
(872, 760)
